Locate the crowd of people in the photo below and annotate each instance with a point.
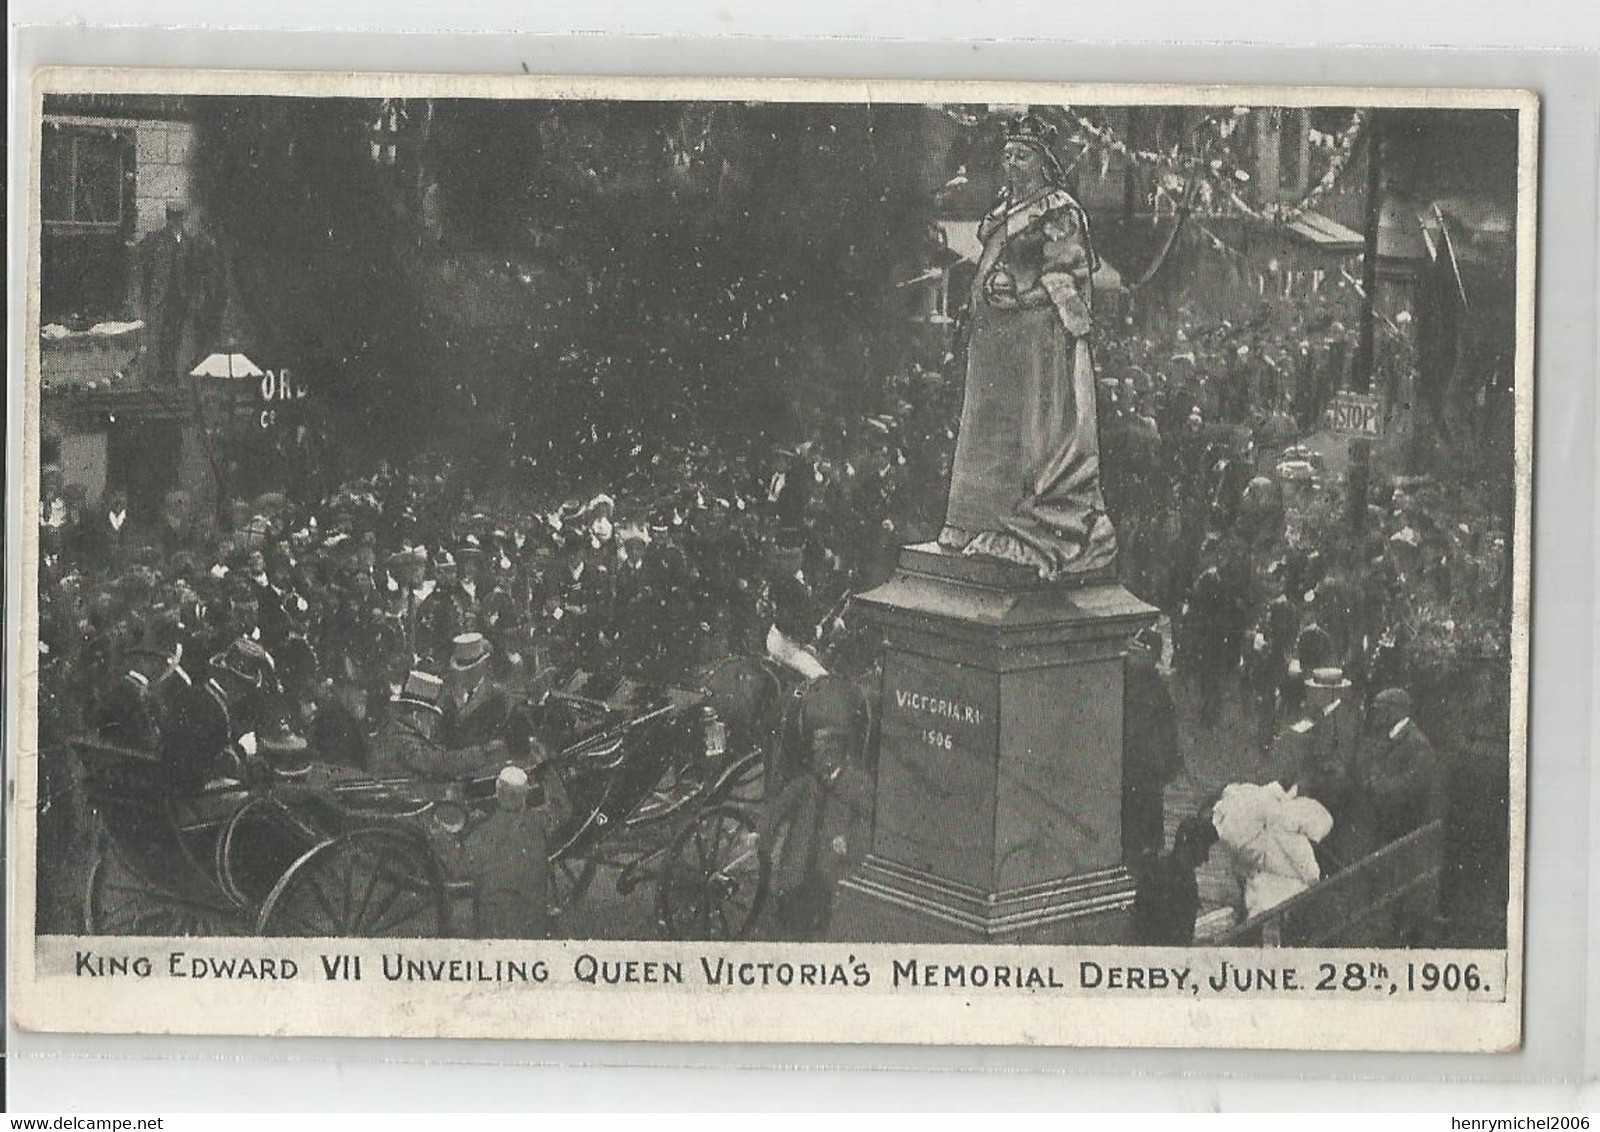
(350, 593)
(1280, 588)
(336, 602)
(334, 627)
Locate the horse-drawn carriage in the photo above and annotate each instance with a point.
(643, 779)
(649, 786)
(272, 857)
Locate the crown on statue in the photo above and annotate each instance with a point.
(1032, 129)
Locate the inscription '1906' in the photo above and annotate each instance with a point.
(933, 705)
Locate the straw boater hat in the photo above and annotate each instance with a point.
(468, 651)
(1328, 677)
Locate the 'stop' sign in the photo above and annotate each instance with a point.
(1357, 414)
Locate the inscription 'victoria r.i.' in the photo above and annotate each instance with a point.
(933, 705)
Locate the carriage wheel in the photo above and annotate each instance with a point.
(714, 879)
(258, 845)
(117, 901)
(745, 781)
(368, 884)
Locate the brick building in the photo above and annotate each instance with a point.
(121, 322)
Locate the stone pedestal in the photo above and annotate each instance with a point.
(999, 792)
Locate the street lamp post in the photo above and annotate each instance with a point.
(227, 364)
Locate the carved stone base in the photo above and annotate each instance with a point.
(997, 812)
(883, 901)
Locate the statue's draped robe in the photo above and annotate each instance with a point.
(1025, 486)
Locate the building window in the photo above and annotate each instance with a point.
(87, 211)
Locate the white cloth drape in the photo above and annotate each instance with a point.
(1270, 832)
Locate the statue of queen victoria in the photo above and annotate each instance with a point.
(1025, 485)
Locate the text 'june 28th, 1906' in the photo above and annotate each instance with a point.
(1096, 972)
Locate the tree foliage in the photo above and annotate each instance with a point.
(665, 273)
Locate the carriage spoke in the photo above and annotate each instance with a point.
(335, 920)
(395, 892)
(117, 906)
(417, 897)
(713, 878)
(398, 911)
(349, 895)
(716, 842)
(747, 855)
(700, 846)
(299, 919)
(376, 870)
(120, 902)
(708, 849)
(410, 907)
(366, 893)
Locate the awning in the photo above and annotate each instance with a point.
(226, 365)
(1325, 234)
